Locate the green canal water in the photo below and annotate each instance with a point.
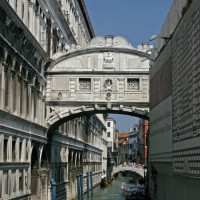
(111, 192)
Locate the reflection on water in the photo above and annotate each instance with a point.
(111, 192)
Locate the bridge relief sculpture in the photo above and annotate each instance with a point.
(108, 74)
(108, 85)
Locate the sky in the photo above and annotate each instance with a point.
(136, 20)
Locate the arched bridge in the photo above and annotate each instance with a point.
(133, 168)
(107, 76)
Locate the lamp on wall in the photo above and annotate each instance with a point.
(153, 37)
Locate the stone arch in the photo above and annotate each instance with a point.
(59, 117)
(139, 172)
(44, 173)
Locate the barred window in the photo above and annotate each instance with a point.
(85, 84)
(133, 84)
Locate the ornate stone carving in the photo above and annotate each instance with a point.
(5, 66)
(19, 78)
(97, 42)
(109, 58)
(108, 85)
(121, 42)
(59, 97)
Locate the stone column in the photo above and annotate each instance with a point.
(11, 86)
(19, 8)
(17, 181)
(67, 160)
(19, 94)
(17, 149)
(32, 102)
(13, 4)
(1, 146)
(4, 70)
(1, 182)
(23, 151)
(37, 24)
(26, 11)
(24, 106)
(31, 24)
(9, 149)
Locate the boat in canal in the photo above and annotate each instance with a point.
(105, 181)
(129, 188)
(132, 188)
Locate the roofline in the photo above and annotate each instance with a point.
(95, 49)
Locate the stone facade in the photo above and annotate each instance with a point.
(174, 119)
(106, 75)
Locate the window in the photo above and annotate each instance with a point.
(108, 134)
(133, 84)
(108, 124)
(85, 84)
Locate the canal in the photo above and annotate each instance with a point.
(112, 191)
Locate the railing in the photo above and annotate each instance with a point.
(134, 167)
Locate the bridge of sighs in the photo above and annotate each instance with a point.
(108, 75)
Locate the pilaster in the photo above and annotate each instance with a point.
(19, 8)
(17, 149)
(1, 146)
(4, 70)
(25, 17)
(72, 88)
(121, 88)
(9, 149)
(19, 93)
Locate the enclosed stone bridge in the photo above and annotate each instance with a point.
(136, 169)
(107, 76)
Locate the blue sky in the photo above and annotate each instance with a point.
(136, 20)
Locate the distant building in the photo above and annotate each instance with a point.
(142, 141)
(117, 145)
(111, 138)
(133, 143)
(123, 143)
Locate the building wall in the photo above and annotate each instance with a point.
(111, 138)
(133, 145)
(174, 120)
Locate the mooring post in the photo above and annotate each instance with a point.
(88, 184)
(53, 189)
(91, 183)
(78, 186)
(81, 185)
